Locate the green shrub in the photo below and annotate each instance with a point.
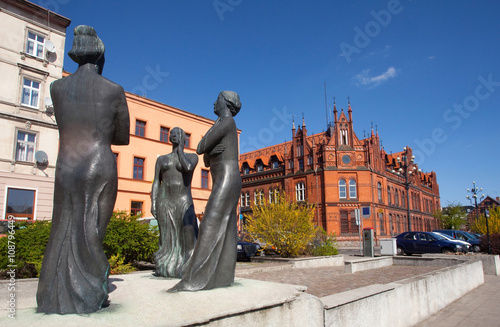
(322, 245)
(127, 239)
(30, 240)
(130, 239)
(117, 266)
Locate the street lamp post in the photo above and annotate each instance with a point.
(405, 164)
(475, 192)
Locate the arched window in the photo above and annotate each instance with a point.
(300, 191)
(379, 189)
(389, 200)
(342, 189)
(396, 198)
(352, 189)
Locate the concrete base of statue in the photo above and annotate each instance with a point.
(140, 299)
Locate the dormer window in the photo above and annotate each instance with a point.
(276, 164)
(246, 170)
(260, 167)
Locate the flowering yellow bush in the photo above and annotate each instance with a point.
(479, 226)
(285, 224)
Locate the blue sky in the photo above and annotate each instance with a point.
(426, 73)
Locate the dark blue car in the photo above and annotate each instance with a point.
(425, 242)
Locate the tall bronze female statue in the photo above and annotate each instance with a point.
(91, 114)
(172, 205)
(213, 261)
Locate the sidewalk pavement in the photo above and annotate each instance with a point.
(480, 307)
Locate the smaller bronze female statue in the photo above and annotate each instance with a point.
(172, 205)
(213, 262)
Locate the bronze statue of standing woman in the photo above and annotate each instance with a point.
(91, 114)
(213, 262)
(172, 205)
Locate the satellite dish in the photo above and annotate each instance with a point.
(50, 46)
(49, 106)
(41, 159)
(48, 102)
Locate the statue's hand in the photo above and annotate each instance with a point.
(218, 149)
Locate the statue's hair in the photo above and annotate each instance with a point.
(233, 100)
(87, 46)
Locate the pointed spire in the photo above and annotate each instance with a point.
(373, 134)
(376, 129)
(334, 111)
(349, 104)
(303, 121)
(293, 122)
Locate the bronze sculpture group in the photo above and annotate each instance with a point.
(92, 114)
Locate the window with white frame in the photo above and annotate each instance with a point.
(379, 191)
(247, 199)
(20, 203)
(310, 160)
(276, 164)
(342, 189)
(242, 202)
(271, 196)
(352, 189)
(300, 191)
(35, 44)
(31, 90)
(25, 147)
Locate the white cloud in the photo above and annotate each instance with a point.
(364, 77)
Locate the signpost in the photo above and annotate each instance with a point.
(358, 222)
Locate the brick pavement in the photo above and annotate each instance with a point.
(330, 280)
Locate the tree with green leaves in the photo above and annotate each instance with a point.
(285, 224)
(451, 216)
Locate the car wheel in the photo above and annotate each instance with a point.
(401, 251)
(476, 248)
(446, 250)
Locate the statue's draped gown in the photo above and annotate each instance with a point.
(175, 214)
(91, 114)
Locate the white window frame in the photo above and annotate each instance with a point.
(300, 189)
(26, 157)
(342, 189)
(353, 192)
(36, 44)
(30, 88)
(247, 199)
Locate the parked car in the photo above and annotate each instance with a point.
(461, 235)
(425, 242)
(246, 250)
(467, 246)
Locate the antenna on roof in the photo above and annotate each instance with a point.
(326, 107)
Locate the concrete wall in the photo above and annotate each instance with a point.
(403, 303)
(365, 264)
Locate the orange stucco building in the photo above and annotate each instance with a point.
(338, 173)
(150, 126)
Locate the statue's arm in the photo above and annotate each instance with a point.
(156, 186)
(214, 136)
(122, 120)
(188, 163)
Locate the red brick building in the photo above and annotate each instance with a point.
(337, 172)
(487, 204)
